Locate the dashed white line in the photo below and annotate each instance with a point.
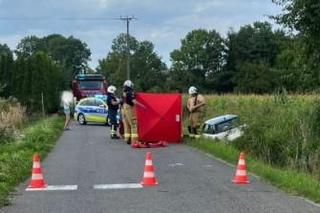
(118, 186)
(55, 188)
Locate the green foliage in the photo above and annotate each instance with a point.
(43, 67)
(251, 55)
(303, 17)
(198, 61)
(6, 65)
(146, 68)
(254, 77)
(35, 76)
(39, 137)
(71, 53)
(282, 130)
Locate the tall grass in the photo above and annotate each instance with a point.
(15, 157)
(281, 130)
(282, 138)
(12, 116)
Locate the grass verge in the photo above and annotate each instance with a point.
(293, 182)
(15, 157)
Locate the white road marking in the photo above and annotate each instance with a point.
(118, 186)
(176, 164)
(55, 188)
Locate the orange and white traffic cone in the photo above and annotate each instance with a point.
(241, 174)
(37, 180)
(149, 178)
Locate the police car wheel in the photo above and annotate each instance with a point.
(81, 119)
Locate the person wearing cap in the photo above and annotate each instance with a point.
(195, 104)
(113, 107)
(129, 116)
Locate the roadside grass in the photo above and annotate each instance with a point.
(16, 156)
(293, 182)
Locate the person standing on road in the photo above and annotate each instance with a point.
(129, 115)
(66, 100)
(113, 107)
(195, 104)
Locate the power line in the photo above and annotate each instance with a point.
(56, 19)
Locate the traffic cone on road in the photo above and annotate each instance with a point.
(241, 174)
(149, 178)
(37, 180)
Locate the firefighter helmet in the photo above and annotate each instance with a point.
(192, 90)
(128, 83)
(112, 89)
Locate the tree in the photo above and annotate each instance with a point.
(198, 61)
(29, 46)
(147, 69)
(257, 47)
(35, 76)
(71, 53)
(254, 77)
(6, 66)
(303, 18)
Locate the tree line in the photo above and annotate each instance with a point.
(40, 68)
(254, 59)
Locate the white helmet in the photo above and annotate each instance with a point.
(128, 83)
(192, 90)
(112, 89)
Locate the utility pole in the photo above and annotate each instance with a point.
(127, 19)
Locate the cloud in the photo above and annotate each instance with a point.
(164, 22)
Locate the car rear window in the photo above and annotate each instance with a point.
(226, 125)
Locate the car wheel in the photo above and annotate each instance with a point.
(81, 119)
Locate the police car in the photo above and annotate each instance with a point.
(225, 127)
(91, 109)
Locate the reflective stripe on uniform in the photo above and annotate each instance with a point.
(134, 135)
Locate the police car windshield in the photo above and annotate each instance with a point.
(91, 84)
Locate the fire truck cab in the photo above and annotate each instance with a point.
(89, 85)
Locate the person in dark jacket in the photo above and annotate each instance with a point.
(113, 107)
(129, 115)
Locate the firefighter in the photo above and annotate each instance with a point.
(195, 104)
(129, 116)
(113, 107)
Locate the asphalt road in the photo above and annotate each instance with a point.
(189, 181)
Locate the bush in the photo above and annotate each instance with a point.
(15, 157)
(12, 116)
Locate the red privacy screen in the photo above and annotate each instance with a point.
(161, 119)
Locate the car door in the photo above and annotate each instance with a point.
(97, 111)
(101, 111)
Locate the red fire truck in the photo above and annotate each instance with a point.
(89, 85)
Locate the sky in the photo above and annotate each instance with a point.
(163, 22)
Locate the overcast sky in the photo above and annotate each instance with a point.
(163, 22)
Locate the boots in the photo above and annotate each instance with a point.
(113, 131)
(191, 134)
(196, 135)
